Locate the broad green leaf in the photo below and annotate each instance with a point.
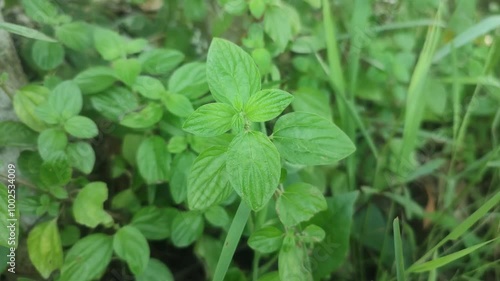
(29, 163)
(312, 101)
(231, 73)
(271, 276)
(186, 228)
(267, 104)
(257, 8)
(81, 127)
(88, 205)
(254, 165)
(17, 134)
(149, 87)
(210, 120)
(153, 222)
(135, 45)
(44, 248)
(131, 246)
(126, 200)
(95, 79)
(47, 55)
(235, 7)
(50, 142)
(114, 103)
(178, 104)
(308, 139)
(88, 258)
(8, 212)
(155, 271)
(218, 216)
(299, 203)
(70, 234)
(55, 171)
(208, 181)
(313, 234)
(189, 80)
(75, 35)
(291, 261)
(160, 61)
(277, 25)
(335, 246)
(127, 70)
(109, 44)
(144, 118)
(131, 143)
(181, 166)
(153, 160)
(25, 31)
(41, 11)
(81, 156)
(65, 100)
(266, 240)
(25, 103)
(263, 59)
(177, 144)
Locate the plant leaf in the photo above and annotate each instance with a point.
(51, 142)
(266, 240)
(299, 203)
(153, 160)
(189, 80)
(44, 248)
(149, 87)
(267, 104)
(145, 118)
(153, 222)
(210, 120)
(131, 246)
(81, 127)
(75, 35)
(178, 104)
(17, 134)
(254, 165)
(87, 207)
(25, 31)
(81, 156)
(155, 271)
(160, 61)
(186, 228)
(47, 55)
(95, 79)
(25, 102)
(308, 139)
(109, 44)
(127, 70)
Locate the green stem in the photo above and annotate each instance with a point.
(232, 239)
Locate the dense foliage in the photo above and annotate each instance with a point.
(258, 140)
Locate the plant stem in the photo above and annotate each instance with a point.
(232, 239)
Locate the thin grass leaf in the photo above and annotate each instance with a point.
(415, 101)
(25, 31)
(469, 35)
(398, 250)
(336, 74)
(439, 262)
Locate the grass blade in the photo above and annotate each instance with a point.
(398, 250)
(467, 36)
(439, 262)
(25, 31)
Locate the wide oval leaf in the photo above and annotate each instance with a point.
(155, 271)
(44, 248)
(254, 165)
(132, 247)
(81, 156)
(87, 207)
(267, 104)
(145, 118)
(153, 222)
(153, 160)
(186, 228)
(25, 102)
(299, 203)
(232, 74)
(309, 139)
(210, 120)
(266, 240)
(208, 181)
(81, 127)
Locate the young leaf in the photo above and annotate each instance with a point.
(127, 70)
(231, 73)
(44, 248)
(155, 271)
(81, 127)
(153, 222)
(267, 104)
(308, 139)
(254, 165)
(291, 260)
(56, 171)
(189, 80)
(93, 251)
(109, 44)
(75, 35)
(154, 160)
(208, 181)
(131, 246)
(149, 87)
(266, 240)
(17, 134)
(186, 228)
(160, 61)
(95, 79)
(178, 104)
(210, 120)
(87, 207)
(25, 103)
(299, 203)
(145, 118)
(81, 156)
(50, 142)
(47, 55)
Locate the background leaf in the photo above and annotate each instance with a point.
(131, 246)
